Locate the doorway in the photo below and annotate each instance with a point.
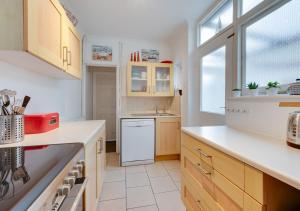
(104, 103)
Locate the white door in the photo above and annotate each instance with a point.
(215, 78)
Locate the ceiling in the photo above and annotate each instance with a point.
(136, 19)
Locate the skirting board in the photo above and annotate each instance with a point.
(167, 157)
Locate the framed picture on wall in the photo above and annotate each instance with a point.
(102, 53)
(149, 55)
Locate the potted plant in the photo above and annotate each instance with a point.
(236, 92)
(272, 88)
(253, 88)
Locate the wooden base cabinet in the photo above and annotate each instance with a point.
(213, 180)
(37, 35)
(168, 137)
(94, 170)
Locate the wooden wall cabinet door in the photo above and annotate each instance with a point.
(101, 163)
(44, 30)
(71, 50)
(162, 80)
(139, 79)
(168, 136)
(90, 199)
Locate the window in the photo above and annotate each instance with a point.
(219, 20)
(213, 82)
(272, 46)
(247, 5)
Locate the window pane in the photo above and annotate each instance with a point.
(273, 46)
(218, 21)
(249, 4)
(213, 82)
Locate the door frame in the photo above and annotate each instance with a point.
(118, 100)
(225, 39)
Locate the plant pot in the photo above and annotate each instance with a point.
(237, 93)
(253, 92)
(272, 91)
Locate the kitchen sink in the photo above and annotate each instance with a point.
(153, 114)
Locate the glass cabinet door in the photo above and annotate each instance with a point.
(139, 80)
(163, 80)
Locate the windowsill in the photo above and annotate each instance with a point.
(278, 97)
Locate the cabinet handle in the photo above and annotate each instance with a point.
(69, 58)
(200, 205)
(65, 52)
(101, 145)
(203, 153)
(203, 170)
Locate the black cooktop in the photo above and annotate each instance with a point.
(26, 171)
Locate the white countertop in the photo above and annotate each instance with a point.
(133, 116)
(68, 132)
(266, 154)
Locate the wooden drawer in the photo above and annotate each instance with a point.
(254, 183)
(252, 205)
(202, 199)
(228, 195)
(228, 166)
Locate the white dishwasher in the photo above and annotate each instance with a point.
(138, 141)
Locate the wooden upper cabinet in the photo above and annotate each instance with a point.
(43, 35)
(71, 50)
(40, 35)
(162, 80)
(150, 79)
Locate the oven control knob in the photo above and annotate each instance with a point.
(64, 190)
(70, 180)
(78, 167)
(82, 162)
(74, 173)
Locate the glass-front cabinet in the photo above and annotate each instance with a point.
(162, 80)
(150, 79)
(139, 79)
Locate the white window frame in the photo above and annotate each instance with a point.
(257, 13)
(207, 16)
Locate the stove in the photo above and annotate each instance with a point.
(27, 172)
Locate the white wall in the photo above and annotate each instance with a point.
(122, 48)
(47, 94)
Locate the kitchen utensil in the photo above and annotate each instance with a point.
(40, 123)
(293, 134)
(6, 103)
(5, 167)
(26, 100)
(11, 129)
(294, 88)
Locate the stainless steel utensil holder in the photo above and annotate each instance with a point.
(11, 129)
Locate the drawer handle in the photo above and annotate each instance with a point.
(200, 205)
(203, 153)
(203, 170)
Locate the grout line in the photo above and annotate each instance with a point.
(152, 191)
(143, 207)
(110, 200)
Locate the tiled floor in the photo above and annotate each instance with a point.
(154, 187)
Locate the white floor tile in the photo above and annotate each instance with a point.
(135, 169)
(137, 180)
(169, 201)
(113, 190)
(162, 184)
(149, 208)
(172, 164)
(175, 174)
(156, 171)
(115, 175)
(140, 197)
(178, 185)
(112, 205)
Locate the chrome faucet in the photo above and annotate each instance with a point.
(156, 109)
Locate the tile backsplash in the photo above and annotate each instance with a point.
(147, 104)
